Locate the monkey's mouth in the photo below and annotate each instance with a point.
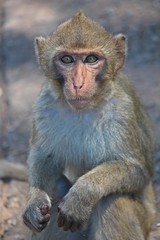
(78, 103)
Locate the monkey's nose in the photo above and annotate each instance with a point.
(77, 86)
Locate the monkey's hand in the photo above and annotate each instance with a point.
(37, 213)
(74, 211)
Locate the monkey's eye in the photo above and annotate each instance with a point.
(91, 59)
(67, 59)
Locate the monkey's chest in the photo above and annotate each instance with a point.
(79, 145)
(75, 142)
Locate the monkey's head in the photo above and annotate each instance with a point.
(81, 60)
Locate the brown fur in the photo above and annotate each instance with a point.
(100, 154)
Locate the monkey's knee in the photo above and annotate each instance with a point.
(118, 218)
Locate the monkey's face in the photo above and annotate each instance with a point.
(79, 73)
(80, 60)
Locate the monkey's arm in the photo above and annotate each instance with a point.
(107, 178)
(10, 170)
(46, 185)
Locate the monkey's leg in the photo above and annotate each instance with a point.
(119, 218)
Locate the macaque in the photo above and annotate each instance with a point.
(92, 138)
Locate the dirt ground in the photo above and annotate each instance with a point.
(20, 80)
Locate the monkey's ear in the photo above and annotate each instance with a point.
(39, 43)
(121, 50)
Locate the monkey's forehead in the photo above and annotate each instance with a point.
(80, 31)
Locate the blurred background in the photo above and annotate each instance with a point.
(20, 78)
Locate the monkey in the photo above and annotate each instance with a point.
(91, 134)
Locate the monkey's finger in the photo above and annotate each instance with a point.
(44, 209)
(45, 218)
(61, 220)
(75, 226)
(68, 224)
(79, 226)
(60, 205)
(58, 209)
